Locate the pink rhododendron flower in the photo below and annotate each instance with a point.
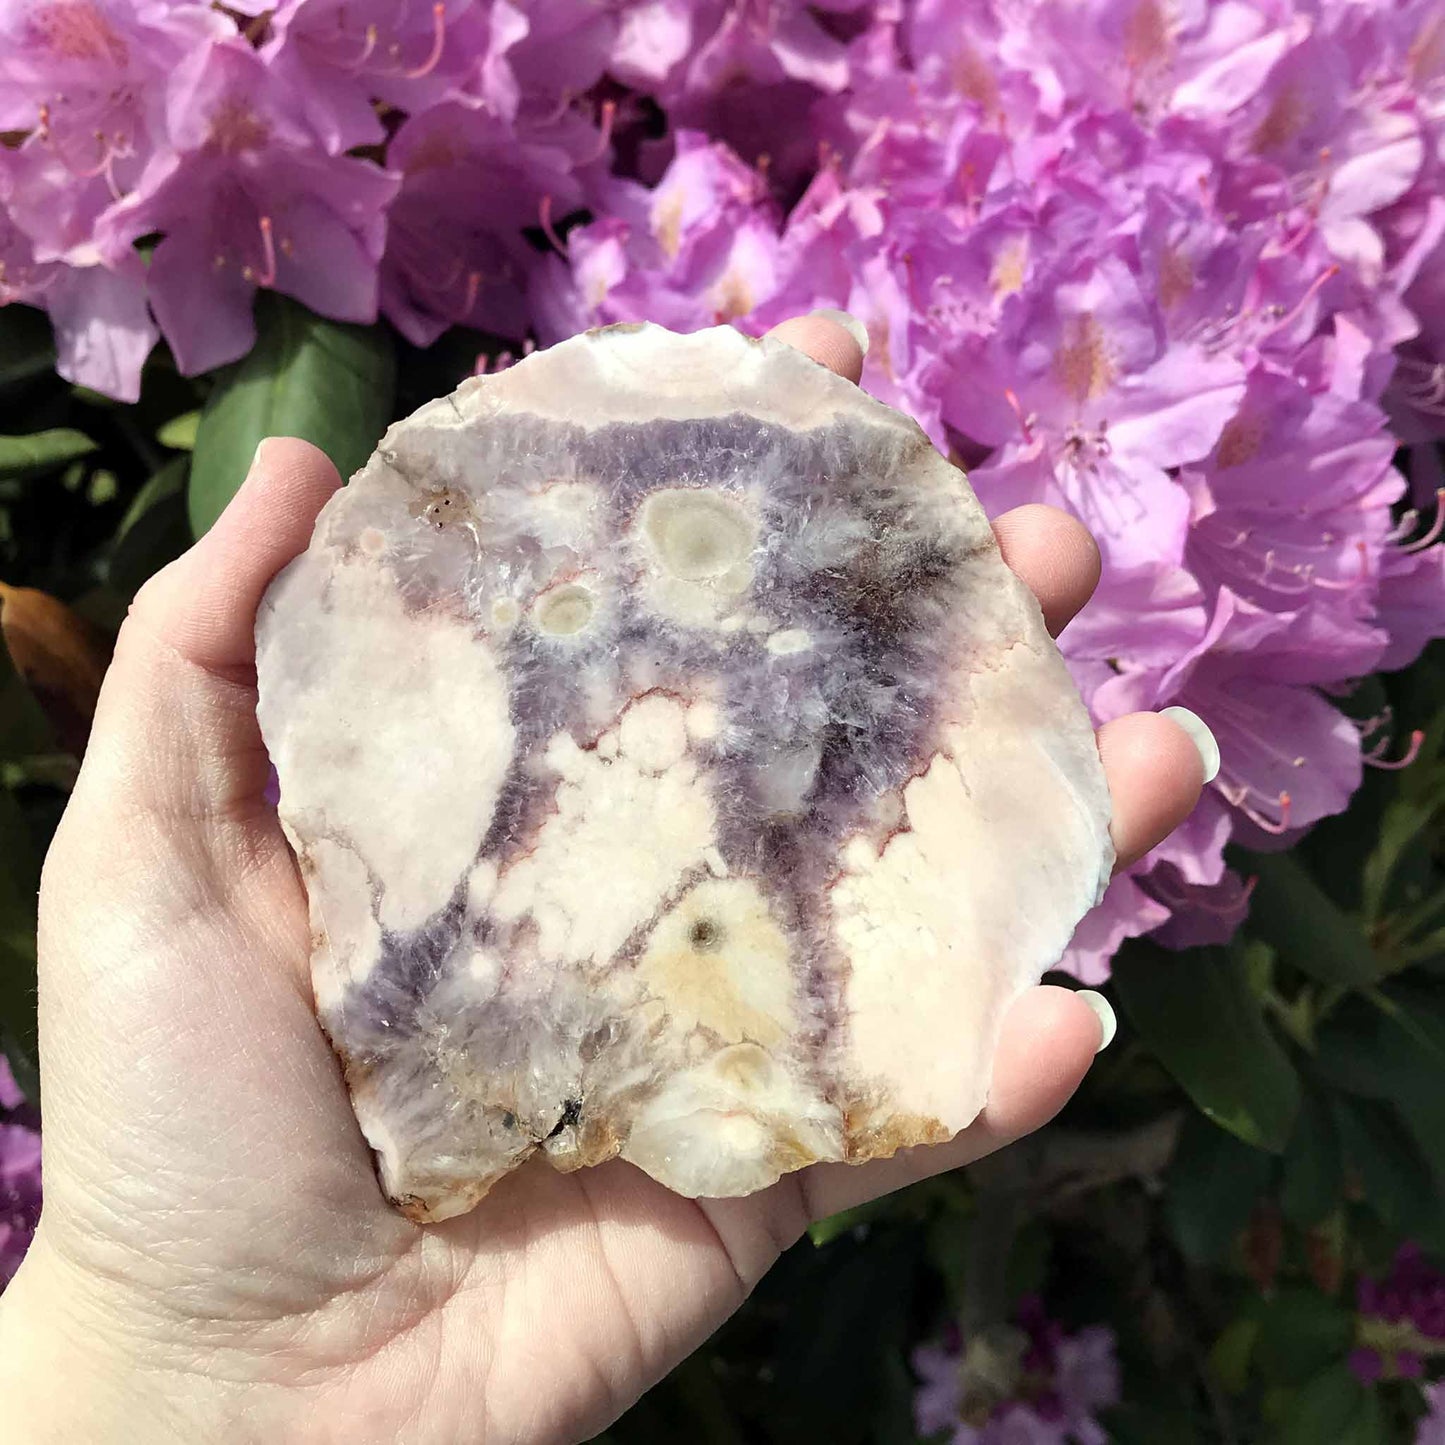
(10, 1095)
(1412, 1292)
(1401, 1322)
(19, 1194)
(84, 81)
(1431, 1430)
(19, 1175)
(343, 57)
(1030, 1383)
(103, 331)
(456, 252)
(696, 250)
(752, 76)
(247, 198)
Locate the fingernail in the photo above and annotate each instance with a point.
(256, 458)
(848, 322)
(1200, 736)
(1104, 1012)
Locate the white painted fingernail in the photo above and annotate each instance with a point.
(1104, 1012)
(848, 322)
(257, 458)
(1200, 736)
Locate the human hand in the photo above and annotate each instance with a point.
(215, 1261)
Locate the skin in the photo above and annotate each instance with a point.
(215, 1261)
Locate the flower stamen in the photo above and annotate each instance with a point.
(267, 274)
(548, 229)
(1375, 759)
(1239, 798)
(474, 281)
(1436, 527)
(367, 47)
(1369, 725)
(605, 123)
(438, 43)
(1311, 291)
(1025, 424)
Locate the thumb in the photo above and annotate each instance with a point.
(180, 1055)
(175, 730)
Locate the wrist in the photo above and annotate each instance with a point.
(76, 1365)
(43, 1396)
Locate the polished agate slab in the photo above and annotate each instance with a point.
(676, 771)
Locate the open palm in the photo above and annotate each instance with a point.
(216, 1260)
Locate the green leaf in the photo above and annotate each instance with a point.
(154, 531)
(843, 1310)
(179, 432)
(330, 383)
(1213, 1184)
(19, 880)
(1417, 1006)
(1134, 1424)
(87, 397)
(1334, 1407)
(691, 1403)
(24, 729)
(893, 1417)
(1312, 1170)
(1194, 1011)
(1402, 837)
(1301, 1333)
(1307, 929)
(947, 1244)
(825, 1231)
(1397, 1180)
(26, 346)
(1028, 1259)
(42, 451)
(1390, 1044)
(1232, 1352)
(102, 487)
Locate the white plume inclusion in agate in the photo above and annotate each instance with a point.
(676, 771)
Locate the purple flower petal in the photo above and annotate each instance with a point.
(1366, 1365)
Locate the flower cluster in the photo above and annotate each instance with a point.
(1027, 1383)
(1402, 1319)
(1431, 1430)
(1177, 268)
(19, 1174)
(1154, 266)
(162, 160)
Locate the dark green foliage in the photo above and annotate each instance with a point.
(330, 383)
(19, 880)
(1313, 1166)
(1333, 1406)
(1214, 1183)
(1198, 1014)
(1269, 1123)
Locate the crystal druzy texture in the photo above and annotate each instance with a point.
(676, 771)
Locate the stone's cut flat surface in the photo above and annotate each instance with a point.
(676, 771)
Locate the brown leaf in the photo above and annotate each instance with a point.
(1324, 1253)
(1263, 1245)
(60, 655)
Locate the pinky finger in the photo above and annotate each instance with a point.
(1049, 1039)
